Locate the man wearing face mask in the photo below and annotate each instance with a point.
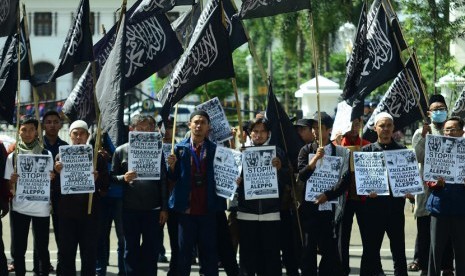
(438, 114)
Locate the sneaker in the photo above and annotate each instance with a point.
(11, 267)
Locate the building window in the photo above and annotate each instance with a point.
(43, 23)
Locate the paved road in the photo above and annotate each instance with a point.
(355, 249)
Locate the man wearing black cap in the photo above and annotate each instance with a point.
(319, 225)
(304, 129)
(194, 196)
(438, 114)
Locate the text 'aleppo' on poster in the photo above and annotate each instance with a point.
(370, 173)
(404, 177)
(144, 154)
(227, 168)
(34, 177)
(324, 178)
(77, 174)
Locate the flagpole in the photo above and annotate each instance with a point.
(410, 82)
(173, 137)
(315, 62)
(35, 95)
(18, 96)
(98, 134)
(238, 110)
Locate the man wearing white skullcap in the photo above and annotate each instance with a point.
(383, 213)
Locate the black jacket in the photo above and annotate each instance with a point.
(141, 194)
(269, 205)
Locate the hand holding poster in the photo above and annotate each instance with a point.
(144, 154)
(441, 159)
(260, 177)
(404, 176)
(227, 168)
(34, 177)
(220, 130)
(370, 173)
(324, 178)
(77, 174)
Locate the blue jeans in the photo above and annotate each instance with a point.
(112, 210)
(141, 259)
(201, 231)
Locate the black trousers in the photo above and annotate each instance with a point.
(375, 225)
(226, 252)
(172, 224)
(83, 232)
(289, 243)
(259, 248)
(20, 230)
(320, 233)
(3, 262)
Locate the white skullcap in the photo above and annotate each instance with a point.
(78, 124)
(382, 115)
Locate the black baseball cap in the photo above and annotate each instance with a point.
(304, 123)
(326, 120)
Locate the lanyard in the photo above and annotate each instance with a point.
(197, 160)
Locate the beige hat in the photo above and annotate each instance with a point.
(78, 124)
(382, 115)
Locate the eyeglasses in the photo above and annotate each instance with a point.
(451, 130)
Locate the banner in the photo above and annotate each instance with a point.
(404, 177)
(444, 157)
(8, 16)
(227, 168)
(459, 106)
(263, 8)
(260, 177)
(77, 174)
(34, 177)
(144, 154)
(370, 173)
(220, 130)
(326, 175)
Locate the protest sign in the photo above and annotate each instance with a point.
(220, 130)
(34, 177)
(144, 154)
(325, 176)
(77, 174)
(227, 168)
(404, 177)
(260, 177)
(442, 157)
(370, 173)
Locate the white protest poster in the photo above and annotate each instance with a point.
(324, 178)
(220, 130)
(440, 161)
(370, 173)
(77, 174)
(144, 154)
(227, 168)
(460, 175)
(260, 177)
(34, 177)
(404, 177)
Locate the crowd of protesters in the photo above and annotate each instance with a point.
(270, 232)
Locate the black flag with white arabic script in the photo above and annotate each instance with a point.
(8, 16)
(377, 61)
(402, 97)
(146, 8)
(283, 132)
(459, 106)
(8, 79)
(263, 8)
(234, 27)
(207, 58)
(78, 43)
(109, 89)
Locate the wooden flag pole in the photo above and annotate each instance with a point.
(315, 62)
(238, 110)
(35, 95)
(98, 134)
(18, 98)
(174, 128)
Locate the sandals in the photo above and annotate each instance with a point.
(413, 266)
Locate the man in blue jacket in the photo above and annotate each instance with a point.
(194, 197)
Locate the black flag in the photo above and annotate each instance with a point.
(145, 8)
(207, 58)
(78, 43)
(401, 99)
(283, 132)
(24, 53)
(109, 89)
(459, 107)
(375, 58)
(263, 8)
(235, 29)
(8, 79)
(8, 16)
